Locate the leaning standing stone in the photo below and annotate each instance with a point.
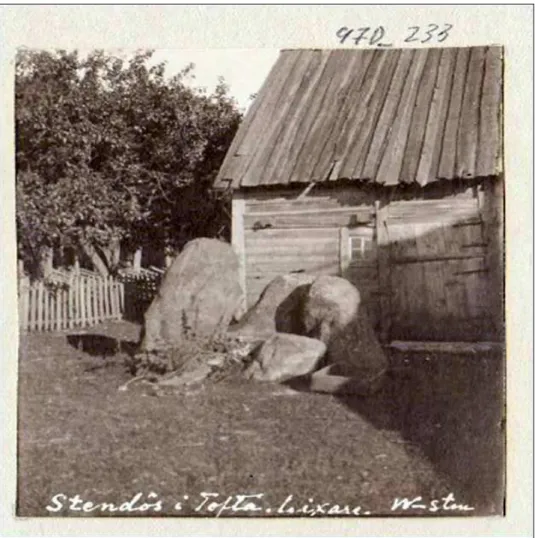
(198, 296)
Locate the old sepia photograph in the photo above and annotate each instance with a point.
(266, 270)
(268, 294)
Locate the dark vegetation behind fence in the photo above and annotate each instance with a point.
(140, 287)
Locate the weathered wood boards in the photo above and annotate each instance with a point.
(382, 116)
(86, 301)
(428, 277)
(308, 218)
(272, 252)
(457, 348)
(367, 131)
(284, 235)
(438, 273)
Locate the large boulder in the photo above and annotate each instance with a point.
(198, 296)
(333, 314)
(279, 308)
(331, 304)
(285, 356)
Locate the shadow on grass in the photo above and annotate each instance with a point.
(452, 409)
(99, 345)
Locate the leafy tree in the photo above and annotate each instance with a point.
(111, 150)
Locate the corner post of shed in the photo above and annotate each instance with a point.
(238, 244)
(383, 271)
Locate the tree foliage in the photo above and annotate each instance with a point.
(111, 149)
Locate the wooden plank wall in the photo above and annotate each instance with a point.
(270, 253)
(294, 235)
(492, 209)
(439, 274)
(433, 276)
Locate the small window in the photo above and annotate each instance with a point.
(362, 245)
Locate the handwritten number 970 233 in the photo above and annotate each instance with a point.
(432, 33)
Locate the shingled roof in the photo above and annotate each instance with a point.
(385, 116)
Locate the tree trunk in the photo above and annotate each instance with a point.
(115, 253)
(137, 259)
(168, 256)
(46, 262)
(168, 260)
(112, 253)
(98, 263)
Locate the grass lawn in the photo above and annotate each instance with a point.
(433, 429)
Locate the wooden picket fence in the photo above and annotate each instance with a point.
(86, 299)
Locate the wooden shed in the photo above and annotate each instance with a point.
(385, 167)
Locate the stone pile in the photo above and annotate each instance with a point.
(302, 326)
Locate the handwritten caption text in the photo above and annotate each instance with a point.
(216, 504)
